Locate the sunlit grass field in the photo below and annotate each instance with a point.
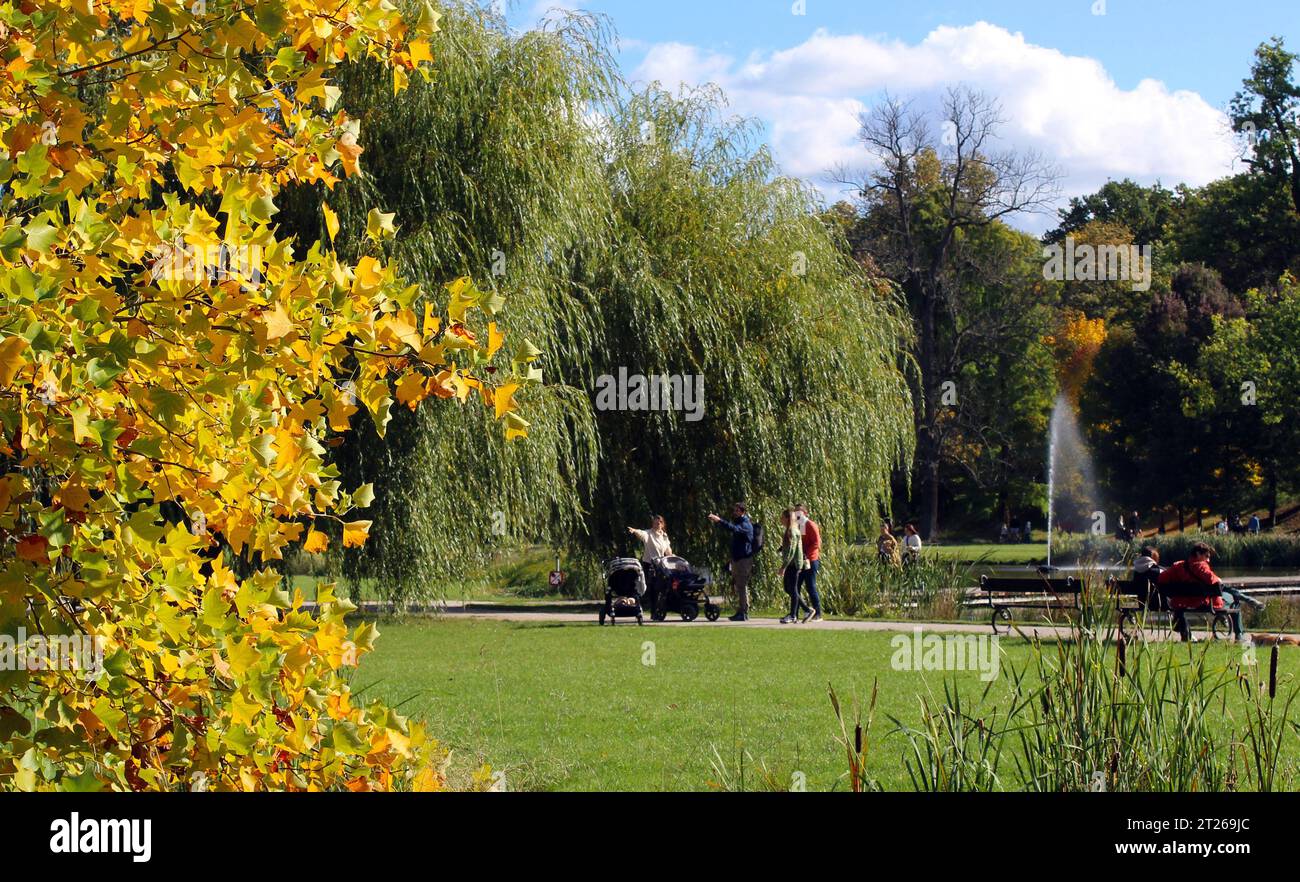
(578, 707)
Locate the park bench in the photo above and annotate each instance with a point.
(1041, 592)
(1133, 612)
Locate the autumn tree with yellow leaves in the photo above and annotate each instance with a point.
(171, 373)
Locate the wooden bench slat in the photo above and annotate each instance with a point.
(1031, 586)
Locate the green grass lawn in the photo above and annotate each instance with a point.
(573, 707)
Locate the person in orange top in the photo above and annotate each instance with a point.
(812, 552)
(1199, 586)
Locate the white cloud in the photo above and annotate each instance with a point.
(1066, 107)
(544, 9)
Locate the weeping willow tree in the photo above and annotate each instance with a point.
(639, 231)
(722, 269)
(493, 176)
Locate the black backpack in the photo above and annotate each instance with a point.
(758, 538)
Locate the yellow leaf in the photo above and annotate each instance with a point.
(420, 52)
(427, 781)
(516, 426)
(411, 390)
(74, 496)
(331, 221)
(355, 533)
(369, 276)
(277, 322)
(11, 352)
(495, 339)
(316, 542)
(380, 225)
(340, 414)
(350, 152)
(505, 399)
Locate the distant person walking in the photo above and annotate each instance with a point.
(812, 552)
(887, 548)
(911, 544)
(1253, 526)
(793, 564)
(742, 556)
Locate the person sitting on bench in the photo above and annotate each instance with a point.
(1192, 585)
(1146, 569)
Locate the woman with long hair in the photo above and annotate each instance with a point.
(792, 564)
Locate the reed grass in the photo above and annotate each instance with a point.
(1094, 711)
(1232, 550)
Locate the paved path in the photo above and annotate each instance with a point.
(1025, 629)
(585, 612)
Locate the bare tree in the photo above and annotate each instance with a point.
(921, 193)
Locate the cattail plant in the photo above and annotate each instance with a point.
(1267, 722)
(857, 746)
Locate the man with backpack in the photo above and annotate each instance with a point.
(742, 556)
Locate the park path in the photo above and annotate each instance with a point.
(577, 612)
(1026, 630)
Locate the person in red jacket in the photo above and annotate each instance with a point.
(1192, 584)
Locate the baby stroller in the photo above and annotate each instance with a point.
(624, 588)
(676, 587)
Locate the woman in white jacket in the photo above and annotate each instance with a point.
(655, 540)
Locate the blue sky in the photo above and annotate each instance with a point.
(1138, 91)
(1201, 45)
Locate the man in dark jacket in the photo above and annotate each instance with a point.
(742, 556)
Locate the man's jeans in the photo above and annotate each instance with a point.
(808, 578)
(741, 570)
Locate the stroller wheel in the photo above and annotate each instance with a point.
(690, 611)
(712, 612)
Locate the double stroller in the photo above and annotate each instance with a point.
(668, 585)
(674, 586)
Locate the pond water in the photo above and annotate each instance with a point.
(1027, 570)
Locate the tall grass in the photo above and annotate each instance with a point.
(855, 583)
(1092, 711)
(952, 751)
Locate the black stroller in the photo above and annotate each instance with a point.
(624, 588)
(676, 587)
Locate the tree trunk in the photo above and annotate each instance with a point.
(927, 439)
(1272, 498)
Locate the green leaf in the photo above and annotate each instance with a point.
(364, 495)
(263, 449)
(41, 236)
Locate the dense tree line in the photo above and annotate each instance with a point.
(1159, 367)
